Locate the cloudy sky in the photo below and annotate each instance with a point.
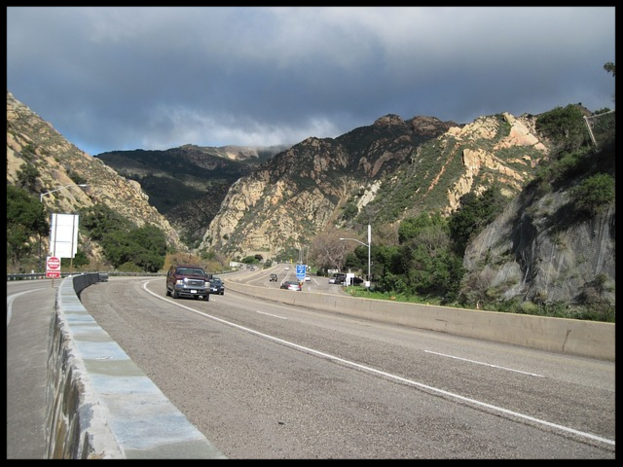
(123, 78)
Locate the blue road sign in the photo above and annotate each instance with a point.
(301, 270)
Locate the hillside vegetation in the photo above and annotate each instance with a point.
(505, 213)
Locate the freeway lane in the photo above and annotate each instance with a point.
(264, 380)
(30, 309)
(287, 272)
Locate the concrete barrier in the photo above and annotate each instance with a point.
(568, 336)
(102, 405)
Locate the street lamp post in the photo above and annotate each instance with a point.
(82, 185)
(364, 244)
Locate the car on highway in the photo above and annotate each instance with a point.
(337, 278)
(307, 278)
(188, 281)
(291, 285)
(273, 278)
(217, 286)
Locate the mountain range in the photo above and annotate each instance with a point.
(241, 201)
(379, 174)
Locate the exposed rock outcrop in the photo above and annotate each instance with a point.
(541, 249)
(302, 191)
(35, 143)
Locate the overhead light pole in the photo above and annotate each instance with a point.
(364, 244)
(81, 185)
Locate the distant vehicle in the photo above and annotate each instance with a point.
(332, 280)
(273, 278)
(103, 277)
(217, 286)
(291, 285)
(338, 278)
(307, 278)
(287, 268)
(188, 281)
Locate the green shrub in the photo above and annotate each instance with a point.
(529, 308)
(128, 266)
(594, 192)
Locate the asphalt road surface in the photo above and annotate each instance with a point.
(30, 309)
(263, 380)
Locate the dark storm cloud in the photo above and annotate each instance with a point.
(119, 78)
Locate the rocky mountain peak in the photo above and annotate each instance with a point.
(389, 120)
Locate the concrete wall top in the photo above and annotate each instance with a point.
(143, 422)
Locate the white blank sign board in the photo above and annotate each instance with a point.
(64, 235)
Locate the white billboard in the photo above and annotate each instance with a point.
(64, 235)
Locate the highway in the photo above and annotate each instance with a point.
(263, 380)
(30, 308)
(288, 273)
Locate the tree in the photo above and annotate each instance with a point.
(122, 242)
(144, 247)
(609, 67)
(349, 212)
(424, 263)
(432, 268)
(28, 177)
(26, 220)
(101, 220)
(473, 215)
(80, 259)
(149, 248)
(328, 251)
(117, 247)
(358, 259)
(411, 226)
(387, 258)
(564, 127)
(594, 192)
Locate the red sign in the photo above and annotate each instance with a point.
(54, 263)
(53, 267)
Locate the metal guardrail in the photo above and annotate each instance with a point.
(41, 275)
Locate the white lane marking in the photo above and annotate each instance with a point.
(11, 298)
(485, 364)
(269, 314)
(389, 375)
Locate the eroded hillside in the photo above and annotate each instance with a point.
(35, 143)
(385, 172)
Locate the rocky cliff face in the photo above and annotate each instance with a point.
(304, 190)
(34, 142)
(541, 249)
(267, 210)
(512, 171)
